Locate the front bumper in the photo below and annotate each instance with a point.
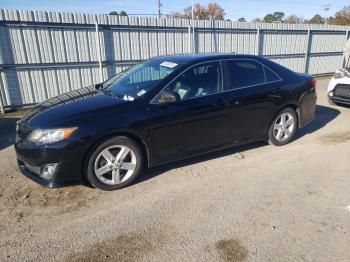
(340, 94)
(339, 100)
(65, 156)
(34, 176)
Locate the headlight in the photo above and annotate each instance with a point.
(48, 136)
(339, 74)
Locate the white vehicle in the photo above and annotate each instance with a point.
(339, 87)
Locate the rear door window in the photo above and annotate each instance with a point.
(242, 73)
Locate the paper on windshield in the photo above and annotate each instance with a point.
(168, 64)
(128, 98)
(142, 92)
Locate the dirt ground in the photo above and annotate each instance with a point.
(252, 203)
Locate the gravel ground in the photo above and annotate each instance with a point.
(253, 203)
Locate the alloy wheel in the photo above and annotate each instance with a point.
(283, 127)
(115, 164)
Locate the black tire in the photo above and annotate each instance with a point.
(331, 102)
(122, 141)
(271, 137)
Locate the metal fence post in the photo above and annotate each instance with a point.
(99, 49)
(189, 39)
(257, 48)
(2, 109)
(307, 52)
(345, 59)
(193, 39)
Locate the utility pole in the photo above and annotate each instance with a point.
(192, 23)
(159, 9)
(192, 10)
(326, 9)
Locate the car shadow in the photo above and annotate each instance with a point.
(152, 172)
(7, 132)
(324, 115)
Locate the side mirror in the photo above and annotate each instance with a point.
(98, 86)
(167, 97)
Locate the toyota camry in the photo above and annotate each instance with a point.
(161, 110)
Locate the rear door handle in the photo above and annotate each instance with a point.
(221, 102)
(276, 90)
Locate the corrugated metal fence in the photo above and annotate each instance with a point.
(44, 54)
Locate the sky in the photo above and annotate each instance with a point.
(234, 9)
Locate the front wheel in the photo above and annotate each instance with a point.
(283, 127)
(115, 163)
(330, 101)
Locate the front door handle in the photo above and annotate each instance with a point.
(226, 102)
(233, 101)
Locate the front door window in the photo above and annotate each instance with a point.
(198, 81)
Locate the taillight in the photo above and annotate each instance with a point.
(313, 83)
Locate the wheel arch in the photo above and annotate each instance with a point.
(295, 107)
(105, 137)
(297, 111)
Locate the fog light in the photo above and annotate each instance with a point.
(47, 171)
(331, 93)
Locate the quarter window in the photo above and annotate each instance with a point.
(270, 75)
(198, 81)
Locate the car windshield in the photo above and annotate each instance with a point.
(139, 79)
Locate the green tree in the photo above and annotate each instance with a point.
(293, 19)
(275, 17)
(123, 13)
(269, 18)
(316, 19)
(113, 13)
(242, 19)
(279, 16)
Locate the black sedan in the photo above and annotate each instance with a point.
(161, 110)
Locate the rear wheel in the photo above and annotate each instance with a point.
(283, 127)
(115, 163)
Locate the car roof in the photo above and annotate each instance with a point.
(201, 57)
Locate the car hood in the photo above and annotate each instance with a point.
(62, 110)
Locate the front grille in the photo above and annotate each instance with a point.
(34, 169)
(342, 91)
